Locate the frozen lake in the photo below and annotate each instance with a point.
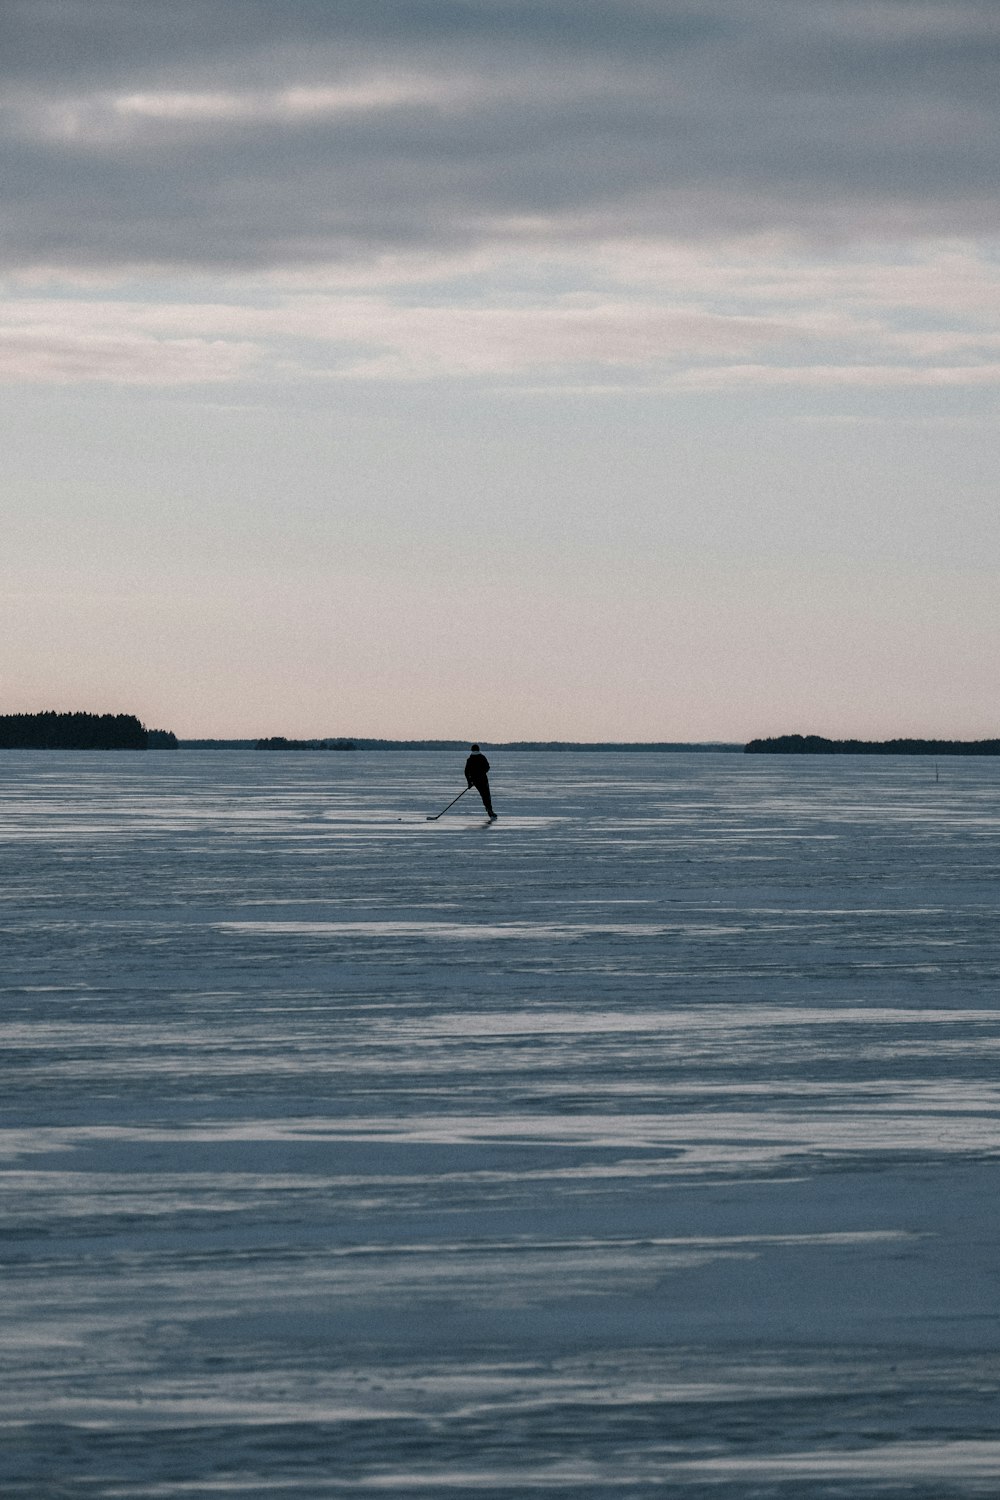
(644, 1144)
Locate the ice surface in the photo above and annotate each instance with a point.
(644, 1143)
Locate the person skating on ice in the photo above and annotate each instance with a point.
(477, 774)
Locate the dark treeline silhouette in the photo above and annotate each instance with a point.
(815, 744)
(217, 744)
(79, 731)
(278, 742)
(363, 744)
(582, 745)
(665, 747)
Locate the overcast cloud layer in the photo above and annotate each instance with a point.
(592, 194)
(250, 133)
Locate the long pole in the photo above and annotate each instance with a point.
(433, 817)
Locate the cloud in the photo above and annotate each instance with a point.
(54, 356)
(244, 134)
(576, 192)
(832, 376)
(365, 337)
(740, 315)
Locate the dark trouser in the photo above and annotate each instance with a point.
(483, 788)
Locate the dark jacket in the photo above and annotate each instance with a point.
(476, 768)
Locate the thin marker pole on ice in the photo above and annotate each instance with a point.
(433, 817)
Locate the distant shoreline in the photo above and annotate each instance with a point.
(86, 731)
(460, 746)
(815, 744)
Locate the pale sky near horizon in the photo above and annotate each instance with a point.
(557, 369)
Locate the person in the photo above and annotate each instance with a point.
(477, 774)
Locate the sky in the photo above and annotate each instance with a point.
(502, 369)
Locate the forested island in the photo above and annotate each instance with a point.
(278, 742)
(80, 731)
(815, 744)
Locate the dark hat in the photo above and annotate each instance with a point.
(475, 747)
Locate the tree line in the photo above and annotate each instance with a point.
(279, 742)
(815, 744)
(80, 731)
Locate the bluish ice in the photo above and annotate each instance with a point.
(643, 1144)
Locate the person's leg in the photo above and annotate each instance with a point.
(483, 788)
